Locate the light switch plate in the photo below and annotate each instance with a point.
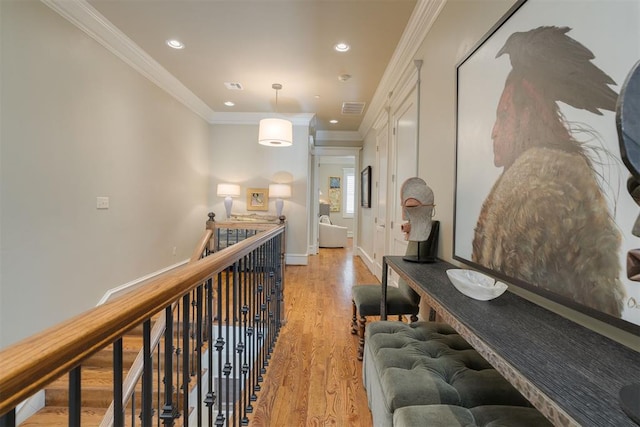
(102, 202)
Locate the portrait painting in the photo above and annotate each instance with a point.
(540, 196)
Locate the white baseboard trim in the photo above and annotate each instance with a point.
(296, 259)
(29, 407)
(114, 292)
(368, 260)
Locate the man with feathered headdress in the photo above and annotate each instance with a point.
(546, 220)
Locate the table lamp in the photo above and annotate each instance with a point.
(279, 191)
(228, 191)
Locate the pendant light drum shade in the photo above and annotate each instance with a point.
(275, 133)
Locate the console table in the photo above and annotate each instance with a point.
(571, 374)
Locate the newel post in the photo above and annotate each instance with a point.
(211, 225)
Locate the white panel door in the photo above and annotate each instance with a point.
(405, 153)
(381, 174)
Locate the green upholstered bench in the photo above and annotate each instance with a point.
(454, 416)
(428, 363)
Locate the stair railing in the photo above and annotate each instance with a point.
(134, 374)
(235, 297)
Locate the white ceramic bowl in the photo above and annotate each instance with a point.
(475, 284)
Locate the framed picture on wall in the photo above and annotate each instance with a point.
(540, 196)
(257, 199)
(335, 194)
(365, 187)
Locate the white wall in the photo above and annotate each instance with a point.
(236, 157)
(78, 123)
(367, 217)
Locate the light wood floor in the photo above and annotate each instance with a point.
(314, 377)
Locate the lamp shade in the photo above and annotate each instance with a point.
(280, 191)
(275, 132)
(232, 190)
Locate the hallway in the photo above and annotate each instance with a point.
(314, 377)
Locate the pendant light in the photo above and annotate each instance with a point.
(275, 132)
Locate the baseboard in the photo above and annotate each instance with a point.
(368, 260)
(29, 407)
(296, 259)
(122, 289)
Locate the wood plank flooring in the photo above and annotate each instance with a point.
(314, 377)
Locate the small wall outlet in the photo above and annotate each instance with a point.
(175, 251)
(102, 202)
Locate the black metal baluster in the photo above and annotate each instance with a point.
(220, 344)
(199, 354)
(234, 331)
(75, 396)
(279, 281)
(269, 297)
(185, 359)
(169, 410)
(158, 387)
(252, 329)
(244, 280)
(227, 364)
(210, 400)
(118, 413)
(263, 308)
(147, 376)
(8, 419)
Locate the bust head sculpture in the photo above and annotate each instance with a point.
(420, 230)
(417, 207)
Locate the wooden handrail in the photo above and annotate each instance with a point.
(31, 364)
(202, 245)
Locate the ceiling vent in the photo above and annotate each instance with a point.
(233, 86)
(353, 108)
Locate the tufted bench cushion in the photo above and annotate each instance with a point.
(427, 363)
(480, 416)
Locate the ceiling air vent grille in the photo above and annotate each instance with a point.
(353, 108)
(233, 86)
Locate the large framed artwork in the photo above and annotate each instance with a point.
(541, 198)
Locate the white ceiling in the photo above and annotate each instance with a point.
(260, 42)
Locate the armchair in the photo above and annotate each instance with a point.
(331, 236)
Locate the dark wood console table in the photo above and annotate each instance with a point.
(571, 374)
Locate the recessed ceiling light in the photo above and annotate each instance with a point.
(333, 121)
(229, 103)
(176, 44)
(342, 47)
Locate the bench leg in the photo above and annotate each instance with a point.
(361, 325)
(354, 319)
(414, 318)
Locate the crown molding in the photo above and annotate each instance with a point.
(85, 17)
(81, 14)
(422, 18)
(227, 118)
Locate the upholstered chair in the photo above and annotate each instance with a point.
(401, 300)
(331, 236)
